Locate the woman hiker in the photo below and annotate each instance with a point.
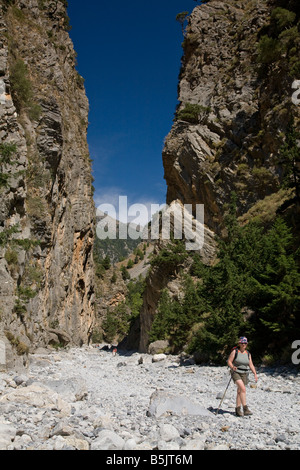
(239, 362)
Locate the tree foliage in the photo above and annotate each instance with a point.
(279, 42)
(254, 289)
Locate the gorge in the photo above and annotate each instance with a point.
(233, 146)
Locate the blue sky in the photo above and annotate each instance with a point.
(129, 53)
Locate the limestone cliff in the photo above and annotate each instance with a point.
(46, 208)
(235, 107)
(167, 275)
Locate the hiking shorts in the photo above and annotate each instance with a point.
(238, 376)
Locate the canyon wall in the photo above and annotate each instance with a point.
(235, 114)
(46, 206)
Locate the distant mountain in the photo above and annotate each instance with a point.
(117, 249)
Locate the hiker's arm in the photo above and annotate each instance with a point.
(230, 359)
(251, 365)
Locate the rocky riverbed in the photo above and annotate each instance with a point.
(89, 399)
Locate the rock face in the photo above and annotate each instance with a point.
(46, 208)
(232, 117)
(230, 139)
(166, 277)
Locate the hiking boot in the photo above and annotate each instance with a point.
(238, 412)
(247, 412)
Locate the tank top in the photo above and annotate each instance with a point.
(242, 362)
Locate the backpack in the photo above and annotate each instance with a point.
(236, 353)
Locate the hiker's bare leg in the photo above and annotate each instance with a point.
(241, 393)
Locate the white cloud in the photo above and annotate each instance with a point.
(108, 196)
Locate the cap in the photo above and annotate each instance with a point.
(243, 340)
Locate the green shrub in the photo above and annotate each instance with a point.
(282, 18)
(191, 113)
(11, 257)
(118, 322)
(22, 89)
(257, 271)
(269, 50)
(20, 83)
(281, 42)
(294, 63)
(19, 308)
(21, 347)
(18, 13)
(35, 207)
(130, 264)
(3, 180)
(33, 276)
(26, 293)
(176, 318)
(34, 111)
(125, 273)
(262, 176)
(106, 263)
(7, 233)
(171, 257)
(6, 152)
(42, 4)
(97, 336)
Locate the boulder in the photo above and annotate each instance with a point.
(39, 396)
(168, 432)
(108, 440)
(159, 357)
(68, 443)
(158, 347)
(163, 403)
(71, 389)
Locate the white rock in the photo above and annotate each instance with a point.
(164, 403)
(61, 429)
(108, 440)
(159, 357)
(7, 434)
(168, 432)
(103, 422)
(20, 379)
(130, 445)
(162, 445)
(193, 444)
(221, 447)
(117, 402)
(38, 396)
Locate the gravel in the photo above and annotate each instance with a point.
(89, 399)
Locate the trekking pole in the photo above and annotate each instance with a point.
(223, 396)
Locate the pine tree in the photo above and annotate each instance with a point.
(277, 289)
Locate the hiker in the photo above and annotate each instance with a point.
(239, 362)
